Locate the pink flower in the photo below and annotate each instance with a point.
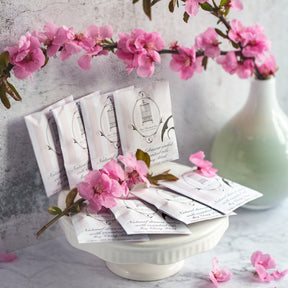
(204, 167)
(27, 56)
(115, 172)
(262, 263)
(64, 38)
(47, 38)
(208, 41)
(192, 6)
(219, 275)
(7, 257)
(55, 38)
(140, 50)
(253, 39)
(269, 67)
(91, 41)
(237, 28)
(265, 260)
(136, 170)
(244, 69)
(255, 42)
(236, 5)
(186, 62)
(146, 67)
(100, 190)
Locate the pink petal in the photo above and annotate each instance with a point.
(50, 30)
(279, 274)
(197, 158)
(106, 31)
(213, 279)
(85, 190)
(20, 72)
(108, 201)
(191, 7)
(8, 257)
(114, 170)
(52, 50)
(92, 31)
(129, 161)
(146, 70)
(236, 5)
(85, 62)
(263, 275)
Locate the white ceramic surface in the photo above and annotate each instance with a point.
(252, 148)
(158, 258)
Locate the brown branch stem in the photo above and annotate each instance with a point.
(64, 213)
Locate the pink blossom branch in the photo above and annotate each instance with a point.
(141, 50)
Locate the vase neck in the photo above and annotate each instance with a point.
(262, 96)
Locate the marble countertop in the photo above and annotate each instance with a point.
(56, 263)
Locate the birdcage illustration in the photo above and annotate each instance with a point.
(146, 113)
(146, 117)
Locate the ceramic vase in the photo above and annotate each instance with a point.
(252, 148)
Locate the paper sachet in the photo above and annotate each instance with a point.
(177, 206)
(139, 218)
(101, 128)
(73, 142)
(218, 193)
(43, 133)
(145, 121)
(91, 227)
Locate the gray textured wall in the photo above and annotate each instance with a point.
(201, 105)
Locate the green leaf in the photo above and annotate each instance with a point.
(219, 32)
(224, 2)
(4, 99)
(147, 8)
(226, 12)
(186, 17)
(163, 176)
(154, 2)
(4, 58)
(205, 62)
(206, 6)
(135, 1)
(71, 197)
(54, 210)
(141, 155)
(171, 5)
(13, 92)
(235, 45)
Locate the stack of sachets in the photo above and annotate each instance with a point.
(74, 136)
(71, 137)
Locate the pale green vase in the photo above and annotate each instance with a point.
(252, 148)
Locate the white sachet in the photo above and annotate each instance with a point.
(145, 121)
(177, 206)
(139, 218)
(218, 193)
(45, 141)
(101, 128)
(73, 142)
(91, 227)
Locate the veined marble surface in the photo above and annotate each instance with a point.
(55, 263)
